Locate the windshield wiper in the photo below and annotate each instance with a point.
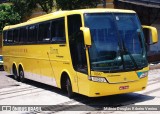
(127, 52)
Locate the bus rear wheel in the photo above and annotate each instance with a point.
(21, 75)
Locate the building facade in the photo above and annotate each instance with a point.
(106, 4)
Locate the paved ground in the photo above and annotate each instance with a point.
(5, 81)
(34, 93)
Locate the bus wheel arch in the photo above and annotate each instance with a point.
(14, 71)
(21, 73)
(66, 84)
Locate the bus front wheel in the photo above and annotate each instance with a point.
(69, 88)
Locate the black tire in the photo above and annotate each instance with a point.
(15, 75)
(69, 88)
(21, 75)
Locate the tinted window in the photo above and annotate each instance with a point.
(32, 33)
(9, 37)
(58, 30)
(16, 35)
(44, 32)
(23, 35)
(4, 37)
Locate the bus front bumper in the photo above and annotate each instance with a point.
(104, 89)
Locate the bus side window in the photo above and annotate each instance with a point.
(76, 43)
(10, 37)
(44, 32)
(16, 36)
(32, 33)
(58, 31)
(23, 35)
(4, 37)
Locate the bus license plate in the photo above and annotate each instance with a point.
(123, 87)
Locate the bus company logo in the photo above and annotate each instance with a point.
(6, 108)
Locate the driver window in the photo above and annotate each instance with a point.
(76, 42)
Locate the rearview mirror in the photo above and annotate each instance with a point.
(153, 32)
(87, 35)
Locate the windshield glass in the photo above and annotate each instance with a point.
(117, 42)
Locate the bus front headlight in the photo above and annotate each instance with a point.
(142, 74)
(98, 79)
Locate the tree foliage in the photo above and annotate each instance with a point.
(46, 5)
(8, 16)
(23, 7)
(76, 4)
(18, 10)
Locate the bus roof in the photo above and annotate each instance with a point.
(59, 14)
(94, 10)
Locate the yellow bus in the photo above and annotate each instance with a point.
(93, 52)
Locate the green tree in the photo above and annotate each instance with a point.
(8, 16)
(23, 7)
(76, 4)
(46, 5)
(18, 10)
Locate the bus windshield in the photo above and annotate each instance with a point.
(117, 42)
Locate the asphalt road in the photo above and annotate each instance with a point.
(55, 101)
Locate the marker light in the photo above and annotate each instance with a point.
(142, 74)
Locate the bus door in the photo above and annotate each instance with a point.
(78, 52)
